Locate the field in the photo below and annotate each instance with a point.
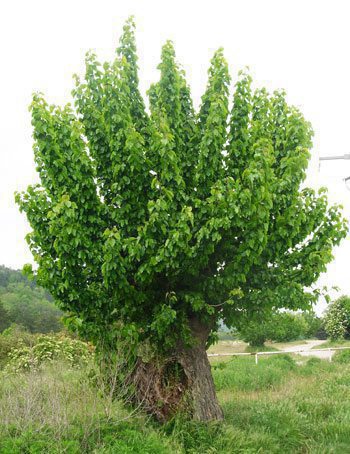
(283, 404)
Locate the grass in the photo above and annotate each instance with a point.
(228, 346)
(335, 343)
(275, 406)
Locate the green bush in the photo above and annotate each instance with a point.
(337, 319)
(4, 318)
(47, 349)
(14, 337)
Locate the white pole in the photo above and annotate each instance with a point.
(256, 358)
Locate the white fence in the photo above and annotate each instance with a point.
(257, 354)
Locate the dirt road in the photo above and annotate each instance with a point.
(306, 349)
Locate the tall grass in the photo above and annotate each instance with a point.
(57, 409)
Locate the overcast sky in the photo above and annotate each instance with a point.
(301, 46)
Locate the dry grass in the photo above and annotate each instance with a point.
(283, 345)
(228, 347)
(53, 398)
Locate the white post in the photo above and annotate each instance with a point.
(256, 358)
(330, 355)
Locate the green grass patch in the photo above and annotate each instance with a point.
(241, 373)
(333, 344)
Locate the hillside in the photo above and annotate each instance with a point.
(24, 303)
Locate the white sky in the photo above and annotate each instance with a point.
(302, 46)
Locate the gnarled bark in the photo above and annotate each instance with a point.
(181, 381)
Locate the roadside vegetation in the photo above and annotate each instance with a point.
(285, 403)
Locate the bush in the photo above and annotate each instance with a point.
(47, 349)
(315, 326)
(337, 319)
(14, 337)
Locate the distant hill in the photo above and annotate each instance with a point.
(25, 303)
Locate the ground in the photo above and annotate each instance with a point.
(286, 403)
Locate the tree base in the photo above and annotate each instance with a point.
(179, 383)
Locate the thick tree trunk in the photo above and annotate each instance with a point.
(196, 366)
(180, 382)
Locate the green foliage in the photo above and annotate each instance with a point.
(9, 276)
(278, 327)
(155, 218)
(337, 319)
(12, 338)
(26, 304)
(47, 349)
(315, 325)
(5, 321)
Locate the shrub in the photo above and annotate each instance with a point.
(337, 319)
(14, 337)
(47, 349)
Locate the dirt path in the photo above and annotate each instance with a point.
(306, 349)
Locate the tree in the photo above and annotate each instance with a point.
(4, 318)
(315, 326)
(255, 332)
(166, 222)
(277, 327)
(337, 319)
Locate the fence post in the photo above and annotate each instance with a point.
(330, 355)
(256, 358)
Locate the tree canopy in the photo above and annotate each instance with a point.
(148, 217)
(280, 327)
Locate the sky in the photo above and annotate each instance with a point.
(301, 46)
